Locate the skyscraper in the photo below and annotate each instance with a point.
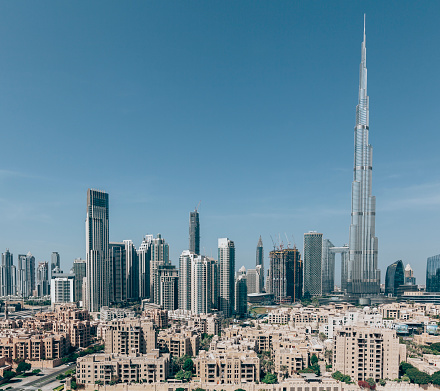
(167, 292)
(185, 274)
(241, 293)
(55, 261)
(26, 275)
(194, 232)
(118, 274)
(363, 274)
(132, 270)
(394, 278)
(328, 267)
(201, 284)
(285, 279)
(42, 279)
(144, 255)
(160, 256)
(313, 263)
(97, 250)
(7, 274)
(260, 262)
(433, 274)
(79, 270)
(409, 275)
(226, 261)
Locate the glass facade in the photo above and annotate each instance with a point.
(394, 278)
(433, 274)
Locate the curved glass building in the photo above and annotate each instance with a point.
(394, 278)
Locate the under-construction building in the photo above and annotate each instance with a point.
(286, 275)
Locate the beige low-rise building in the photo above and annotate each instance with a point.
(145, 368)
(130, 336)
(366, 352)
(227, 367)
(179, 342)
(289, 361)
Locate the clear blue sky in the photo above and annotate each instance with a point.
(248, 106)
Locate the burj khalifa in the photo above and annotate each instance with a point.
(363, 277)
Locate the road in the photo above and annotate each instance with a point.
(40, 381)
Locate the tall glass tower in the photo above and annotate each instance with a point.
(363, 274)
(194, 232)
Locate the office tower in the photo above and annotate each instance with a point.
(55, 261)
(409, 275)
(97, 250)
(328, 267)
(144, 255)
(363, 274)
(260, 261)
(254, 280)
(194, 232)
(285, 275)
(215, 285)
(394, 278)
(42, 279)
(79, 270)
(61, 288)
(132, 270)
(160, 256)
(241, 294)
(167, 292)
(26, 275)
(433, 274)
(363, 352)
(118, 275)
(185, 261)
(7, 274)
(312, 263)
(226, 262)
(201, 284)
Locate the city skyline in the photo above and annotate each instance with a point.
(42, 202)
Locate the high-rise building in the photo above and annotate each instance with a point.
(226, 262)
(260, 262)
(132, 270)
(168, 280)
(433, 274)
(409, 275)
(185, 274)
(240, 305)
(43, 284)
(254, 280)
(118, 267)
(394, 278)
(328, 267)
(79, 270)
(160, 256)
(26, 275)
(7, 274)
(201, 284)
(313, 264)
(194, 232)
(144, 256)
(61, 288)
(55, 261)
(285, 275)
(97, 250)
(363, 274)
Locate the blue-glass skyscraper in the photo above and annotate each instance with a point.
(433, 274)
(363, 275)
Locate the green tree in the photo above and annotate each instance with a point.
(270, 378)
(322, 336)
(406, 378)
(36, 371)
(435, 378)
(8, 375)
(313, 359)
(188, 365)
(180, 389)
(23, 367)
(382, 382)
(199, 389)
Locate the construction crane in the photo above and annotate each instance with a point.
(274, 247)
(288, 243)
(198, 205)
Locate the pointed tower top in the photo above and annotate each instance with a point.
(260, 242)
(364, 27)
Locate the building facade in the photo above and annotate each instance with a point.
(144, 257)
(433, 274)
(97, 250)
(394, 278)
(313, 264)
(226, 262)
(8, 274)
(260, 262)
(194, 232)
(79, 270)
(363, 274)
(61, 288)
(43, 284)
